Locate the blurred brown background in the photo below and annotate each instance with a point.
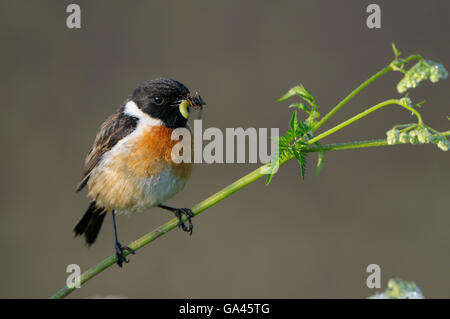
(292, 239)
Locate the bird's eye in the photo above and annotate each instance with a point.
(158, 100)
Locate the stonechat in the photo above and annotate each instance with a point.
(130, 167)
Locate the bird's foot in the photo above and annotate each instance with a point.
(120, 256)
(179, 212)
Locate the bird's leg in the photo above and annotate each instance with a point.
(120, 258)
(179, 212)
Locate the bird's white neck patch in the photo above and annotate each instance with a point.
(132, 109)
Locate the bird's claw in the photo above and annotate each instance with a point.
(189, 214)
(120, 257)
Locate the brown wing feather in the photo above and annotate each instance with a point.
(116, 127)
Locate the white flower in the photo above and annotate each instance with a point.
(422, 70)
(443, 144)
(423, 135)
(392, 136)
(404, 137)
(413, 137)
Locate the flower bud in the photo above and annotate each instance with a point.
(443, 144)
(392, 136)
(413, 139)
(404, 137)
(423, 135)
(422, 70)
(406, 100)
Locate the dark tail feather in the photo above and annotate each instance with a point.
(90, 223)
(82, 183)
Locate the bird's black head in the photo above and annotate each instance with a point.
(161, 98)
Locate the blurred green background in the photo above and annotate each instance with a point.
(292, 239)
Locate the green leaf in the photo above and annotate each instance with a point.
(269, 178)
(320, 162)
(300, 91)
(270, 175)
(301, 129)
(287, 96)
(301, 106)
(274, 163)
(285, 140)
(293, 122)
(301, 158)
(311, 120)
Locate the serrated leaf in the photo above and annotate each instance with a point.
(301, 158)
(320, 162)
(274, 163)
(301, 106)
(301, 129)
(300, 91)
(269, 178)
(314, 115)
(269, 175)
(287, 96)
(293, 122)
(286, 139)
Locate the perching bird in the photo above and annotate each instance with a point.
(130, 167)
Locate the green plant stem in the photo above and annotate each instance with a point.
(363, 114)
(210, 201)
(396, 64)
(347, 146)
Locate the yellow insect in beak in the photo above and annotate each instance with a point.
(184, 108)
(195, 102)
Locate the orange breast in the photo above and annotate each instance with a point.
(121, 183)
(152, 152)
